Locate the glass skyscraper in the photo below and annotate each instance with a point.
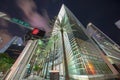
(83, 57)
(110, 49)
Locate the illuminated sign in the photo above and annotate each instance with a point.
(20, 22)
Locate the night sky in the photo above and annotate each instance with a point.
(102, 13)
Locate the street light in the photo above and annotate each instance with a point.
(118, 24)
(2, 14)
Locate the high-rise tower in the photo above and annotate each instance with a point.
(110, 49)
(15, 40)
(76, 52)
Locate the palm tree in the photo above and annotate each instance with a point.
(54, 40)
(48, 51)
(61, 25)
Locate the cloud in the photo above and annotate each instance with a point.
(33, 17)
(3, 23)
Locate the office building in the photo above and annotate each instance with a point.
(110, 49)
(14, 41)
(74, 53)
(5, 47)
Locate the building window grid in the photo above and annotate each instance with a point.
(80, 65)
(68, 51)
(75, 50)
(103, 70)
(83, 71)
(70, 57)
(78, 62)
(106, 68)
(78, 56)
(86, 47)
(97, 67)
(101, 67)
(73, 45)
(72, 39)
(88, 71)
(70, 36)
(105, 42)
(70, 54)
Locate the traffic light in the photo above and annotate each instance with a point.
(35, 31)
(38, 32)
(34, 34)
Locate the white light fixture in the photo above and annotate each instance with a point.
(118, 24)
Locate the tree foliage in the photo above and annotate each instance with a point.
(5, 62)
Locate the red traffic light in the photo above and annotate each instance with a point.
(35, 31)
(34, 34)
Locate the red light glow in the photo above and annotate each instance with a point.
(35, 31)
